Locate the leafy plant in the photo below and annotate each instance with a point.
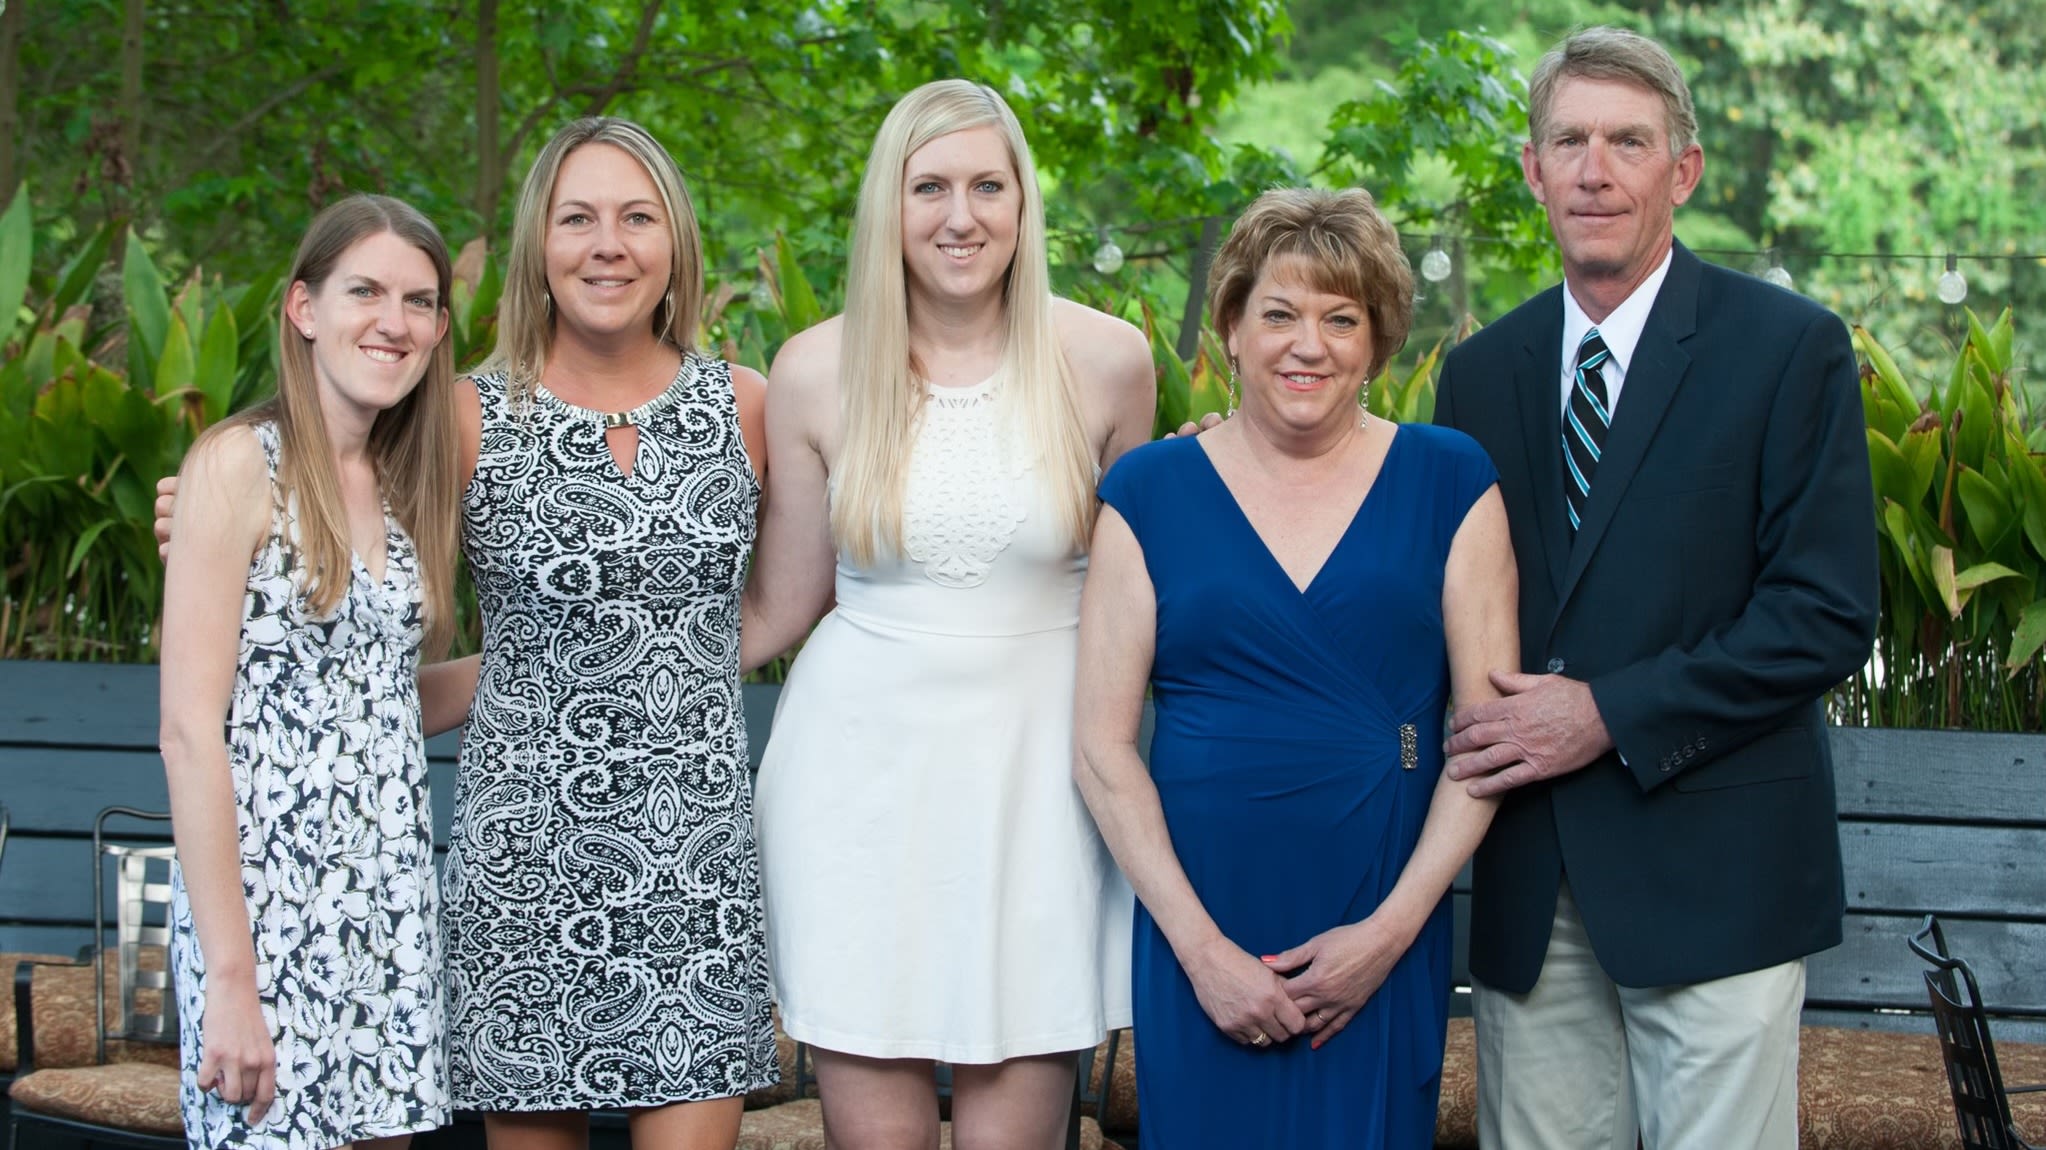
(82, 444)
(1961, 505)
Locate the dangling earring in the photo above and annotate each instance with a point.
(667, 313)
(1230, 383)
(1364, 403)
(547, 303)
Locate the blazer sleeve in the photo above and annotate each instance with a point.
(1811, 618)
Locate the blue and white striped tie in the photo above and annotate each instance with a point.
(1584, 425)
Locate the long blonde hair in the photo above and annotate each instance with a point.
(413, 443)
(880, 397)
(525, 312)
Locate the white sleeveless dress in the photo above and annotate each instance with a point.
(935, 886)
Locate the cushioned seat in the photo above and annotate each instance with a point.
(130, 1095)
(1877, 1090)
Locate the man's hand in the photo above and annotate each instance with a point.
(166, 497)
(1541, 727)
(1209, 422)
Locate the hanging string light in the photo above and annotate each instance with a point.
(1435, 266)
(1953, 286)
(1777, 273)
(1108, 257)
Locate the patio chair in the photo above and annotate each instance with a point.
(128, 1096)
(1981, 1101)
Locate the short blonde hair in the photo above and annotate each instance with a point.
(1342, 244)
(1603, 53)
(525, 313)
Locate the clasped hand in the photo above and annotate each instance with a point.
(1332, 974)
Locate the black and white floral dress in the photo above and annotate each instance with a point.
(604, 921)
(337, 869)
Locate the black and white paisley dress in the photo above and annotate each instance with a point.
(336, 840)
(604, 920)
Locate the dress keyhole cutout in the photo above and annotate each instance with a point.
(624, 444)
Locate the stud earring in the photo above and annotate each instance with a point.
(308, 332)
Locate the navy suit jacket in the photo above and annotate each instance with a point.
(1723, 580)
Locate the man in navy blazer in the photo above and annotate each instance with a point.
(1686, 477)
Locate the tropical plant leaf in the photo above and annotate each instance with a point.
(17, 244)
(84, 544)
(2027, 637)
(215, 372)
(149, 314)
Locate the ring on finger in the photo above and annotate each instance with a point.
(1261, 1039)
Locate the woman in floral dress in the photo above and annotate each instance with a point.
(313, 559)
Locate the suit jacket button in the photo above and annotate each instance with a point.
(1555, 666)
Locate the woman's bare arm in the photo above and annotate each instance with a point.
(1118, 621)
(221, 519)
(789, 588)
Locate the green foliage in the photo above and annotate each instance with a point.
(1961, 508)
(82, 446)
(1459, 101)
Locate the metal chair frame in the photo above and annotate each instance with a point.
(134, 893)
(1981, 1100)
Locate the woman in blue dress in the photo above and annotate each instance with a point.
(1305, 588)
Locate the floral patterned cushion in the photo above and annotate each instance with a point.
(1119, 1113)
(1456, 1113)
(66, 1015)
(1872, 1090)
(125, 1095)
(799, 1125)
(9, 1057)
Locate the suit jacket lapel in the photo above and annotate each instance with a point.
(1658, 370)
(1538, 381)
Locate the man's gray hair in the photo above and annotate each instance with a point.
(1604, 53)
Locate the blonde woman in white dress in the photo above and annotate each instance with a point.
(935, 887)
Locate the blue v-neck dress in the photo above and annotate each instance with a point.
(1297, 746)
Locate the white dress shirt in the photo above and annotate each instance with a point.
(1621, 331)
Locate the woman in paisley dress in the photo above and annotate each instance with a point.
(936, 890)
(604, 923)
(314, 558)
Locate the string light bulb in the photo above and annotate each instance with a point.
(1435, 266)
(1777, 273)
(1953, 286)
(1108, 258)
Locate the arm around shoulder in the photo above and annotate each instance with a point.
(789, 587)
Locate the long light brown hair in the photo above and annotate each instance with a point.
(880, 397)
(525, 312)
(413, 443)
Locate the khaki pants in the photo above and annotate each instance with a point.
(1579, 1063)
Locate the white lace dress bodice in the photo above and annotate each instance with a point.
(976, 519)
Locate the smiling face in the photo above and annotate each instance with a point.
(610, 249)
(961, 212)
(373, 324)
(1301, 354)
(1604, 170)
